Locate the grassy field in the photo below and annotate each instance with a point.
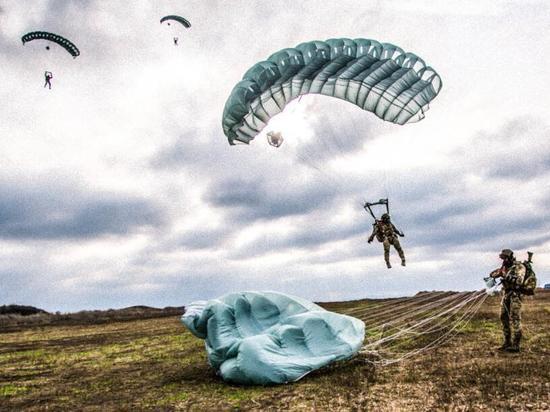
(155, 364)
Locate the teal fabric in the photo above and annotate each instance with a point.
(378, 77)
(267, 337)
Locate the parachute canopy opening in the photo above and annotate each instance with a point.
(378, 77)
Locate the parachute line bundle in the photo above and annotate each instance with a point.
(378, 77)
(401, 328)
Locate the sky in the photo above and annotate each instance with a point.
(119, 188)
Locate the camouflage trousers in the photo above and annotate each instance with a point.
(395, 242)
(510, 315)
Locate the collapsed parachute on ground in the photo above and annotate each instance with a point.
(378, 77)
(44, 35)
(179, 19)
(268, 337)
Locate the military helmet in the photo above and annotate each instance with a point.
(385, 217)
(506, 253)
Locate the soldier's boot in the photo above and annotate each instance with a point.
(514, 347)
(403, 263)
(388, 264)
(507, 343)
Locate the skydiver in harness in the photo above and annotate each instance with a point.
(175, 41)
(48, 76)
(385, 232)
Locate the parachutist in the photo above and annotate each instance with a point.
(517, 279)
(175, 41)
(48, 76)
(275, 139)
(385, 232)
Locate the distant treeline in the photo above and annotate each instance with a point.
(18, 317)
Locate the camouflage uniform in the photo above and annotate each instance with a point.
(386, 232)
(510, 308)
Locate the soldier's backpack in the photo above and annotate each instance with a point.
(529, 281)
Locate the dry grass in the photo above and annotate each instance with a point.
(155, 364)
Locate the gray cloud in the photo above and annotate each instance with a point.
(256, 198)
(63, 211)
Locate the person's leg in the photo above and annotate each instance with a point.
(386, 244)
(515, 321)
(397, 247)
(505, 320)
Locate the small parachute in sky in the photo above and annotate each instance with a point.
(55, 38)
(179, 19)
(380, 78)
(275, 139)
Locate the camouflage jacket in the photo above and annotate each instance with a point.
(512, 278)
(383, 231)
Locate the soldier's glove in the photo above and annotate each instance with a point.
(401, 234)
(370, 240)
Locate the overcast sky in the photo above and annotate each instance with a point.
(118, 186)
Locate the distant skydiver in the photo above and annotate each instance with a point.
(385, 232)
(517, 279)
(48, 76)
(175, 41)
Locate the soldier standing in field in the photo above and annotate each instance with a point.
(386, 232)
(517, 279)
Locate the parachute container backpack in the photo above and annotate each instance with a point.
(261, 338)
(380, 78)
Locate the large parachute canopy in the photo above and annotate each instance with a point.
(179, 19)
(44, 35)
(378, 77)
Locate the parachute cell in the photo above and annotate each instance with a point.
(378, 77)
(43, 35)
(179, 19)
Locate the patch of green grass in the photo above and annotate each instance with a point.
(12, 390)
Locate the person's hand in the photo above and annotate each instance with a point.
(402, 234)
(369, 241)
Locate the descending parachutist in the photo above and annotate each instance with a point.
(385, 232)
(48, 76)
(175, 41)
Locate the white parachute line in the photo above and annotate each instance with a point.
(440, 304)
(441, 339)
(415, 309)
(439, 318)
(464, 319)
(440, 324)
(378, 304)
(418, 324)
(406, 327)
(467, 314)
(394, 306)
(412, 302)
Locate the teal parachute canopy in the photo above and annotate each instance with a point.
(183, 21)
(378, 77)
(267, 337)
(56, 38)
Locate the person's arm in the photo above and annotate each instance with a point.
(374, 229)
(397, 230)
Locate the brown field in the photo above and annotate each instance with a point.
(155, 364)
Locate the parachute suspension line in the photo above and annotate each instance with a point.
(453, 330)
(442, 313)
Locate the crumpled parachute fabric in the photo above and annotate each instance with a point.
(269, 337)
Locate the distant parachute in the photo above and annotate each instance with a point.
(44, 35)
(179, 19)
(378, 77)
